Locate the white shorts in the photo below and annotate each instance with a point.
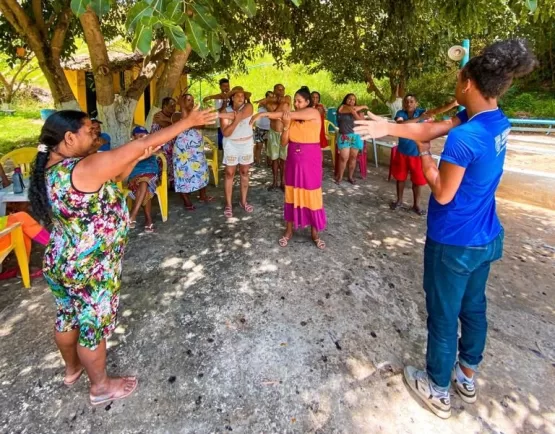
(238, 151)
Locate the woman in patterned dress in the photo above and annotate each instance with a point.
(82, 264)
(189, 162)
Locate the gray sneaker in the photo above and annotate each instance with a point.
(466, 388)
(419, 382)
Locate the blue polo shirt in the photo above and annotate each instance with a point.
(479, 145)
(407, 146)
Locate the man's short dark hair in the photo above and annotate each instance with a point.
(224, 81)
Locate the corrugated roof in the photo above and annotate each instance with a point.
(118, 60)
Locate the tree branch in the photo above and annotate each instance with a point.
(371, 86)
(151, 65)
(60, 31)
(23, 80)
(171, 74)
(22, 65)
(39, 19)
(17, 17)
(99, 58)
(4, 81)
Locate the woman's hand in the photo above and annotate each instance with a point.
(371, 129)
(254, 118)
(148, 153)
(286, 119)
(202, 117)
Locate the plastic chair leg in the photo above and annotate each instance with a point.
(163, 202)
(21, 254)
(215, 174)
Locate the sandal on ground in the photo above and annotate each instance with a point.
(72, 379)
(394, 206)
(320, 243)
(352, 181)
(418, 211)
(206, 199)
(132, 224)
(272, 187)
(150, 228)
(190, 208)
(228, 212)
(14, 272)
(283, 241)
(247, 207)
(106, 399)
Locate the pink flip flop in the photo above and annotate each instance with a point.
(74, 378)
(105, 399)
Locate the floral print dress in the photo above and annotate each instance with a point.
(83, 260)
(189, 162)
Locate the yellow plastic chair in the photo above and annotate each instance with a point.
(161, 190)
(18, 245)
(213, 162)
(332, 138)
(22, 158)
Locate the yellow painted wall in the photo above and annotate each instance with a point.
(77, 83)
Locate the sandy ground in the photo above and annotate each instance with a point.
(229, 332)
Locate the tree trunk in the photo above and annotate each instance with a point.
(168, 80)
(117, 119)
(59, 86)
(371, 87)
(47, 52)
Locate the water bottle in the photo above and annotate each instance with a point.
(17, 180)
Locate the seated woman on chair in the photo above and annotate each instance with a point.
(142, 183)
(32, 230)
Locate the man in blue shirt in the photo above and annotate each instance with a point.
(103, 140)
(406, 159)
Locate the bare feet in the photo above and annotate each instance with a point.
(272, 187)
(282, 187)
(115, 388)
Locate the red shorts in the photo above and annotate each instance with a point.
(403, 164)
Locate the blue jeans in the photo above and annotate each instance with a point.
(455, 284)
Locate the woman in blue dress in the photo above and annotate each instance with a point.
(189, 162)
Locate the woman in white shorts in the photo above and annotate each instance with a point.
(238, 144)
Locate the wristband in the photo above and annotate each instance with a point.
(422, 154)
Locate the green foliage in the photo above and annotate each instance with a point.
(20, 130)
(538, 105)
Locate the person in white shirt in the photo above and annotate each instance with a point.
(238, 146)
(221, 103)
(261, 134)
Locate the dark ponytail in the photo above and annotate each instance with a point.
(345, 100)
(52, 134)
(493, 71)
(304, 91)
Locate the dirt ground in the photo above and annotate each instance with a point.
(228, 332)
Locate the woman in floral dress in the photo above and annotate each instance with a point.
(189, 162)
(76, 190)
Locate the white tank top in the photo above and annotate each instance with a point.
(243, 128)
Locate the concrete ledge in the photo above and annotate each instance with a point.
(524, 186)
